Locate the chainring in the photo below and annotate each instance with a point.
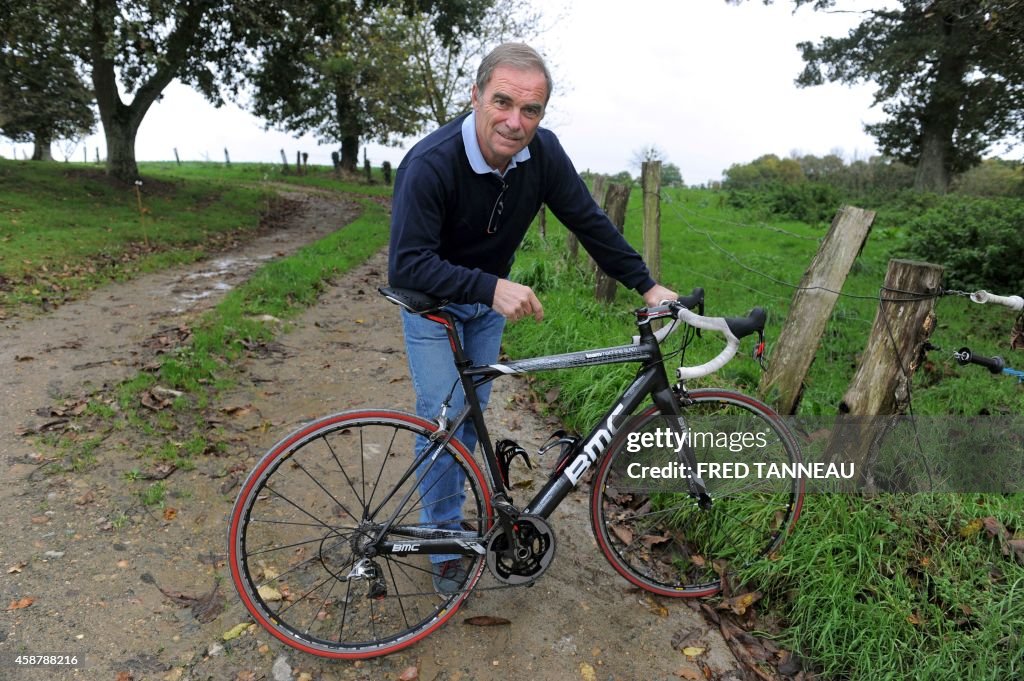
(535, 553)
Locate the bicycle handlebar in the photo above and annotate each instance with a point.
(733, 328)
(1012, 302)
(994, 364)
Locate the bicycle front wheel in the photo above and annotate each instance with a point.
(306, 532)
(649, 525)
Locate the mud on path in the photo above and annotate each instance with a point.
(142, 592)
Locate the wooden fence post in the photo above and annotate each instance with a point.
(881, 385)
(812, 306)
(227, 158)
(284, 162)
(542, 221)
(650, 175)
(615, 205)
(177, 160)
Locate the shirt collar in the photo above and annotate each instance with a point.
(476, 157)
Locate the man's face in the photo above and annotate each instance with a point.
(508, 111)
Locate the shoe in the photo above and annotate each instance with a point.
(449, 576)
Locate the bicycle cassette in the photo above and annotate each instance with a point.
(525, 562)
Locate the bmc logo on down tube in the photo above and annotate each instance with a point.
(593, 448)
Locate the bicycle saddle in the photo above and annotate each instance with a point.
(416, 302)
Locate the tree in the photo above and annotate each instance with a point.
(950, 76)
(671, 176)
(143, 45)
(336, 70)
(344, 70)
(446, 70)
(650, 152)
(42, 96)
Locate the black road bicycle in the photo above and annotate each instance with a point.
(326, 544)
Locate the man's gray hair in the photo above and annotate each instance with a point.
(515, 55)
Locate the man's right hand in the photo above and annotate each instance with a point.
(514, 301)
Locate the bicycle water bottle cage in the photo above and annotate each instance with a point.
(565, 441)
(506, 451)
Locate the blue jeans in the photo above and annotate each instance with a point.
(442, 486)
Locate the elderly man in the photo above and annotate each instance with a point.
(464, 198)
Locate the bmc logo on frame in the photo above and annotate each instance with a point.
(593, 448)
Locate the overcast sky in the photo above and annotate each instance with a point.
(710, 84)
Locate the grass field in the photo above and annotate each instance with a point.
(917, 586)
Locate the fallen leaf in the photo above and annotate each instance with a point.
(238, 411)
(693, 651)
(683, 636)
(624, 534)
(1017, 547)
(235, 631)
(269, 593)
(170, 513)
(994, 527)
(17, 568)
(739, 604)
(587, 672)
(972, 528)
(245, 676)
(486, 621)
(409, 674)
(654, 606)
(21, 603)
(124, 676)
(690, 674)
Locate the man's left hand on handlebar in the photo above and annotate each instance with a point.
(658, 294)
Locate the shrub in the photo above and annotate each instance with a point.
(810, 202)
(980, 242)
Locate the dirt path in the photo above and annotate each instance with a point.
(83, 560)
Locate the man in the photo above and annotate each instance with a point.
(464, 198)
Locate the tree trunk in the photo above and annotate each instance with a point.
(940, 118)
(348, 125)
(932, 174)
(120, 137)
(41, 147)
(121, 121)
(349, 152)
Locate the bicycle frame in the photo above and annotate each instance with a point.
(651, 380)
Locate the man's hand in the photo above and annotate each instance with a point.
(658, 294)
(514, 301)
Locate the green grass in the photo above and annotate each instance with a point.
(885, 588)
(65, 228)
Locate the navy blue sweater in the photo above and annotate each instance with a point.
(440, 211)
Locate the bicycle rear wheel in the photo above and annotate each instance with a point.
(652, 530)
(308, 512)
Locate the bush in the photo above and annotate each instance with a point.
(810, 202)
(979, 241)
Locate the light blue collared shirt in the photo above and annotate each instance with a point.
(476, 157)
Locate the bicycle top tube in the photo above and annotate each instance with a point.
(733, 328)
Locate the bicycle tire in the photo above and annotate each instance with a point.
(655, 535)
(294, 530)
